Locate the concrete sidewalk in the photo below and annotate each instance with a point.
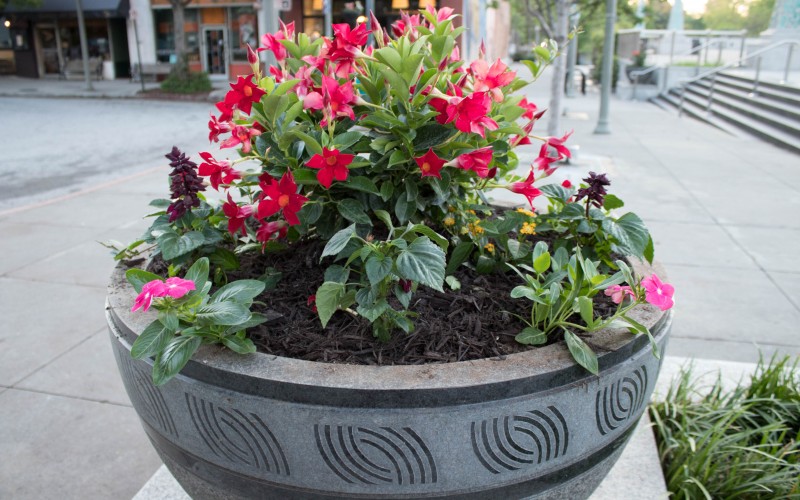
(724, 211)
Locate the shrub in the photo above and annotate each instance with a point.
(187, 83)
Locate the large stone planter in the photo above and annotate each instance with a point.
(259, 426)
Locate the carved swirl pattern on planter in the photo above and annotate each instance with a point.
(150, 398)
(616, 403)
(510, 443)
(376, 456)
(232, 435)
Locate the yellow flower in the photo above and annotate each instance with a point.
(471, 212)
(474, 228)
(464, 230)
(449, 221)
(525, 212)
(451, 209)
(528, 228)
(489, 247)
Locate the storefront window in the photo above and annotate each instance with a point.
(353, 11)
(243, 32)
(165, 37)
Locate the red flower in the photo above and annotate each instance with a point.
(542, 163)
(345, 47)
(331, 165)
(267, 230)
(335, 100)
(217, 172)
(557, 143)
(491, 79)
(525, 188)
(278, 74)
(281, 196)
(531, 110)
(273, 42)
(236, 214)
(252, 57)
(312, 302)
(567, 184)
(226, 111)
(406, 23)
(430, 165)
(306, 82)
(243, 94)
(241, 135)
(477, 161)
(216, 127)
(470, 113)
(441, 14)
(441, 105)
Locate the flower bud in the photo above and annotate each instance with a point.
(252, 57)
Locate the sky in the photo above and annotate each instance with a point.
(692, 7)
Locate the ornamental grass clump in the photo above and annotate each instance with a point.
(382, 154)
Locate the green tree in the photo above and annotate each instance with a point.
(724, 15)
(759, 13)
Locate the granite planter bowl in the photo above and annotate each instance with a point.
(532, 424)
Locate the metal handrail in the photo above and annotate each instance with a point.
(683, 83)
(639, 73)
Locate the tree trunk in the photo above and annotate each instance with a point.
(559, 68)
(181, 67)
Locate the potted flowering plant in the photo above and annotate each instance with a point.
(353, 228)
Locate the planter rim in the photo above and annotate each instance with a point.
(429, 385)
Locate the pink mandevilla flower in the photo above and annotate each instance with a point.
(526, 188)
(178, 287)
(618, 293)
(657, 293)
(491, 79)
(470, 113)
(477, 161)
(155, 288)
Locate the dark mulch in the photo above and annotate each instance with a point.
(478, 321)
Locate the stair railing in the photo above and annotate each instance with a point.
(698, 50)
(684, 83)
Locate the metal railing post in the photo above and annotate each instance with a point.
(680, 103)
(788, 64)
(741, 51)
(705, 57)
(672, 48)
(697, 67)
(711, 93)
(757, 78)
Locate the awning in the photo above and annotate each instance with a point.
(68, 8)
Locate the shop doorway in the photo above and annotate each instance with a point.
(214, 57)
(48, 56)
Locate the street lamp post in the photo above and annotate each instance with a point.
(603, 126)
(572, 53)
(138, 48)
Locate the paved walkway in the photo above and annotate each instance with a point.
(725, 213)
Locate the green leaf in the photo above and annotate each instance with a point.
(328, 296)
(352, 210)
(255, 320)
(403, 209)
(390, 57)
(241, 346)
(640, 328)
(174, 357)
(169, 319)
(362, 183)
(153, 339)
(453, 283)
(378, 267)
(527, 292)
(554, 191)
(387, 189)
(338, 241)
(611, 202)
(423, 261)
(373, 311)
(347, 139)
(399, 86)
(433, 235)
(432, 135)
(485, 265)
(198, 273)
(239, 291)
(586, 308)
(384, 216)
(583, 354)
(224, 258)
(270, 278)
(649, 250)
(224, 313)
(531, 336)
(172, 245)
(630, 234)
(138, 278)
(311, 144)
(460, 254)
(542, 262)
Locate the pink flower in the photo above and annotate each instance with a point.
(335, 101)
(441, 14)
(241, 135)
(216, 127)
(477, 161)
(273, 42)
(267, 230)
(531, 110)
(557, 143)
(526, 188)
(218, 172)
(657, 293)
(618, 293)
(155, 288)
(178, 287)
(491, 79)
(542, 163)
(470, 113)
(567, 184)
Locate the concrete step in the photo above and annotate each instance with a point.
(772, 88)
(733, 122)
(753, 109)
(671, 103)
(790, 108)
